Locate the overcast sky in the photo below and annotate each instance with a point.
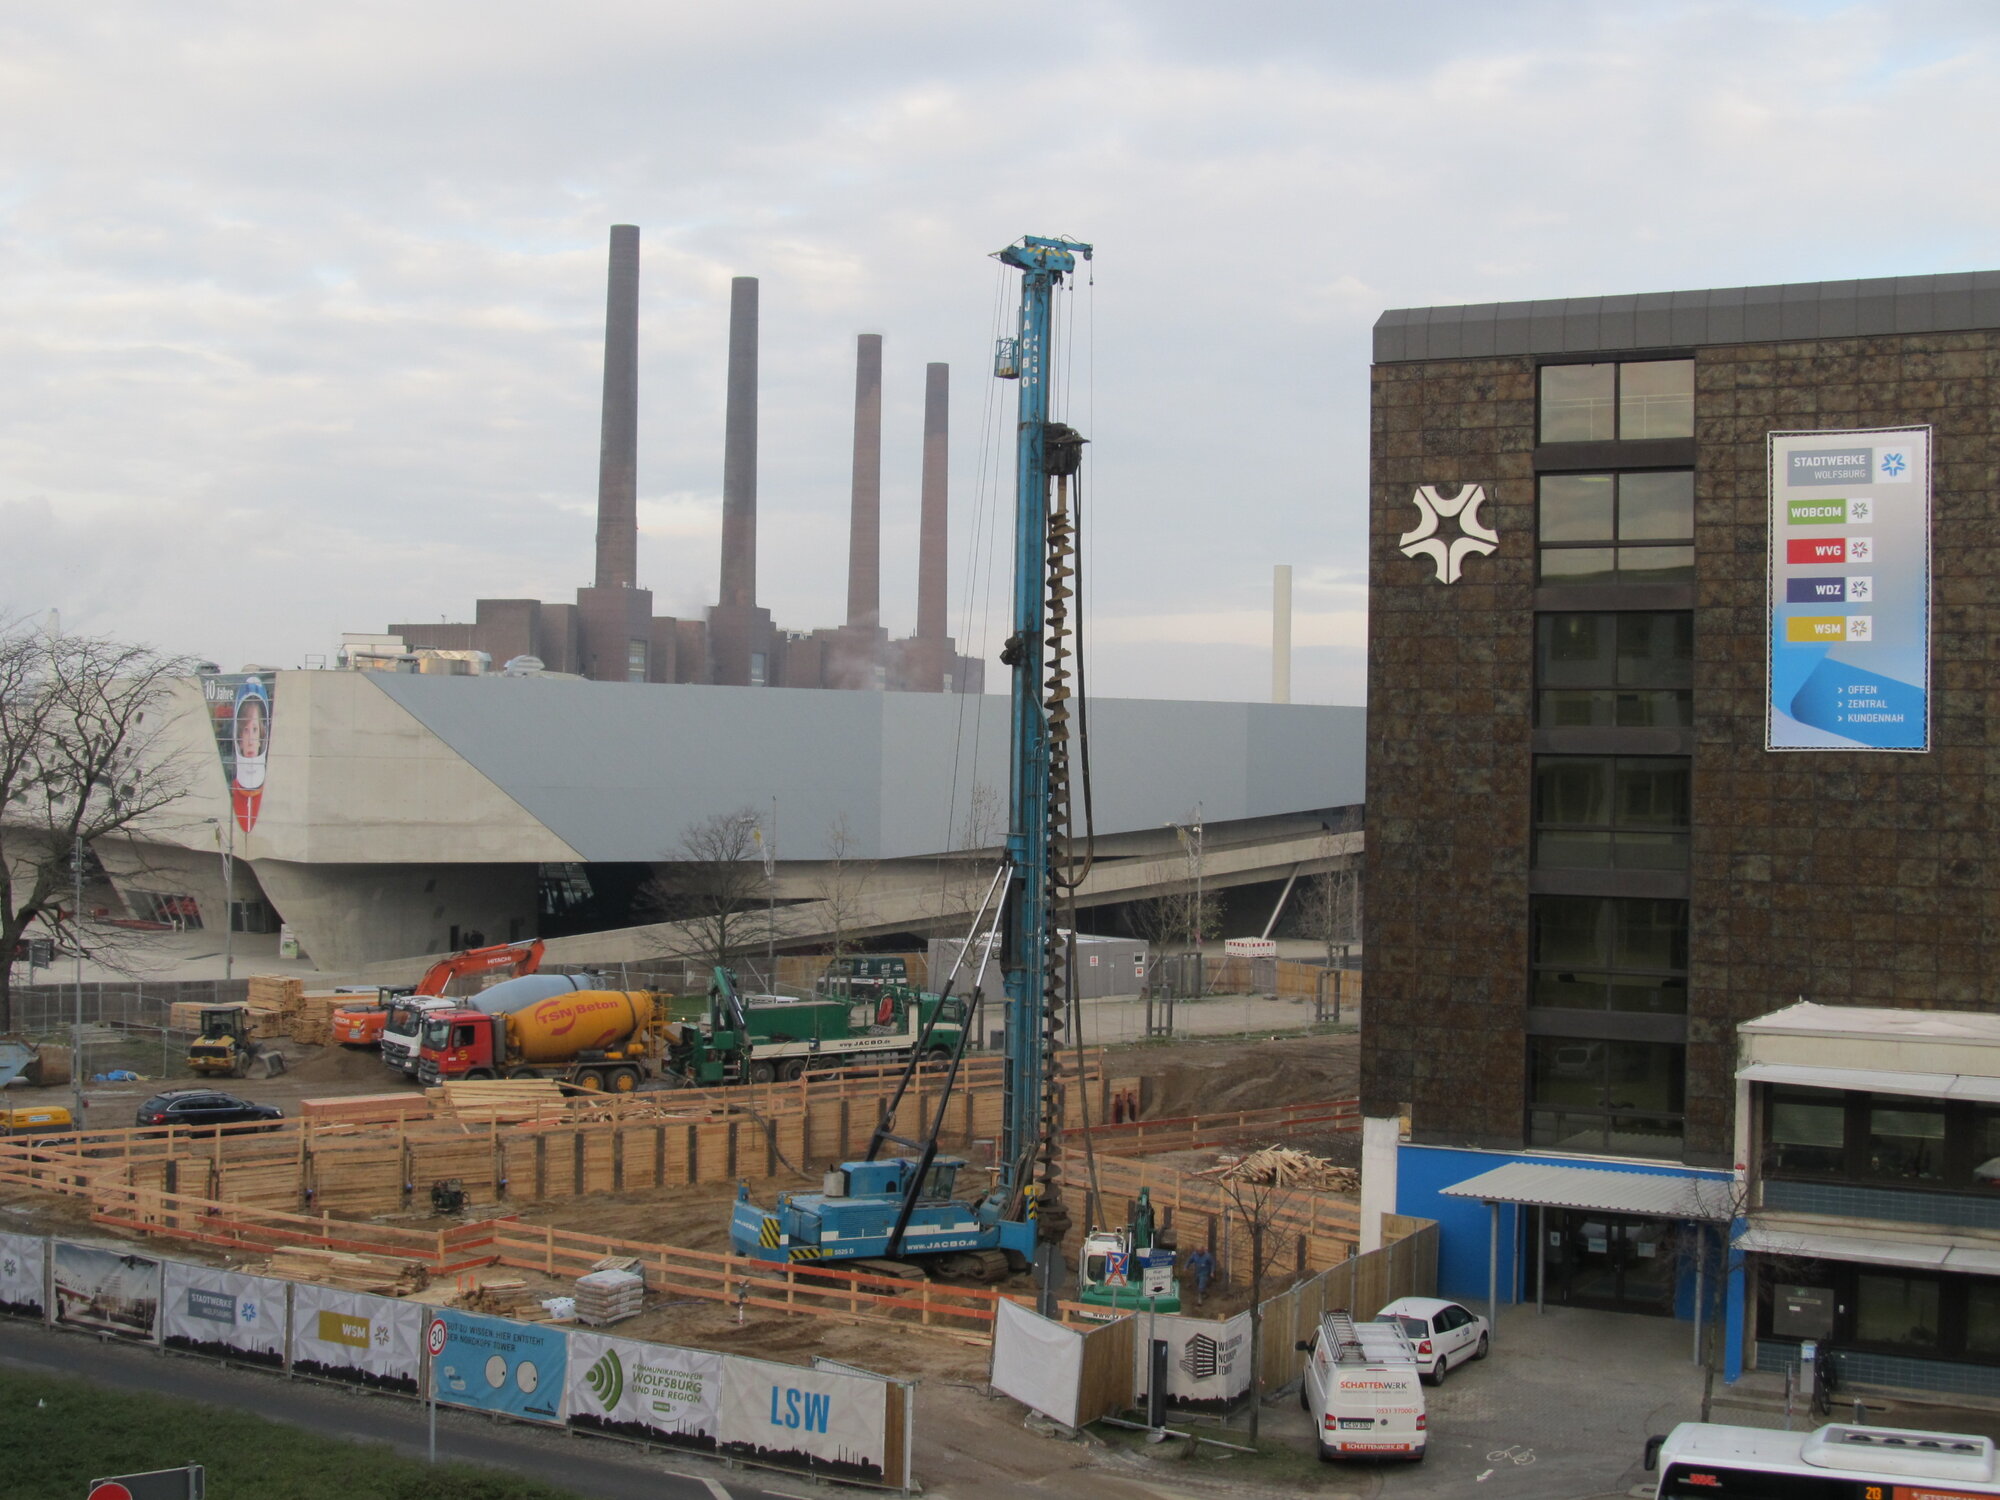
(301, 306)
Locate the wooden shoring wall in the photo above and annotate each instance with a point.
(1195, 1132)
(1106, 1384)
(1405, 1266)
(1313, 1230)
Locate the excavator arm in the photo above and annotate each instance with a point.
(517, 958)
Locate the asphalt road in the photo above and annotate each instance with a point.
(589, 1466)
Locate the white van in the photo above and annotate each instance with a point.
(1363, 1390)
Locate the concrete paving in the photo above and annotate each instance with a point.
(1560, 1410)
(1110, 1021)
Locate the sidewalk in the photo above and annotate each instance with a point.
(1758, 1400)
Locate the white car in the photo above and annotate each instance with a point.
(1444, 1333)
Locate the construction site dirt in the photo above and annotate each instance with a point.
(963, 1425)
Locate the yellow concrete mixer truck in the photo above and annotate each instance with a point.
(593, 1039)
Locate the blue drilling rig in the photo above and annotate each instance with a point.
(901, 1209)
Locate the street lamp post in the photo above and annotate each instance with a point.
(225, 844)
(76, 946)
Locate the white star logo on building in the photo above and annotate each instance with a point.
(1474, 538)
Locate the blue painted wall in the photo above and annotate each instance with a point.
(1464, 1224)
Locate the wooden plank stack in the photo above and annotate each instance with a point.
(1280, 1166)
(365, 1109)
(507, 1101)
(350, 1271)
(502, 1297)
(311, 1017)
(266, 1020)
(605, 1297)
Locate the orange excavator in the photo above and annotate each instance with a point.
(360, 1025)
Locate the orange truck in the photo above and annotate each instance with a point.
(360, 1024)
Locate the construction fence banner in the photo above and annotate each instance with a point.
(24, 1276)
(1037, 1361)
(1208, 1362)
(820, 1421)
(357, 1337)
(498, 1365)
(106, 1291)
(652, 1392)
(229, 1314)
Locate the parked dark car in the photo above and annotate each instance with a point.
(205, 1109)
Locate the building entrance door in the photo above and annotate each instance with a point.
(1617, 1262)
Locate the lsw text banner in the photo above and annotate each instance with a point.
(1850, 590)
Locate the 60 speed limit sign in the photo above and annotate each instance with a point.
(434, 1337)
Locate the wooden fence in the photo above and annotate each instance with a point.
(605, 1144)
(1313, 1230)
(1196, 1132)
(1405, 1266)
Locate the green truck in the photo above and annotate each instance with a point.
(763, 1038)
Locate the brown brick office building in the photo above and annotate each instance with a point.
(1585, 869)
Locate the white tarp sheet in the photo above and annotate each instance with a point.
(652, 1392)
(24, 1262)
(225, 1313)
(375, 1341)
(796, 1418)
(108, 1291)
(1037, 1362)
(1208, 1362)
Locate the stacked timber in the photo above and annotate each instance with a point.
(350, 1271)
(502, 1297)
(311, 1018)
(266, 1019)
(605, 1297)
(365, 1109)
(1280, 1166)
(505, 1101)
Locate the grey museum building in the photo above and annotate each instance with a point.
(1683, 784)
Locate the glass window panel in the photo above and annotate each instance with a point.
(1636, 1135)
(1655, 399)
(1982, 1317)
(1577, 566)
(1649, 851)
(1650, 565)
(1657, 710)
(1574, 650)
(1986, 1150)
(1906, 1144)
(1570, 930)
(1574, 789)
(1573, 851)
(1896, 1310)
(1651, 793)
(1567, 989)
(1560, 1130)
(1578, 403)
(1655, 507)
(1565, 1072)
(1655, 649)
(1641, 994)
(1576, 708)
(1649, 935)
(1577, 508)
(1646, 1076)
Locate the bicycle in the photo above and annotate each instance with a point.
(1826, 1382)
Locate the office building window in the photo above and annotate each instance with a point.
(1882, 1140)
(1925, 1313)
(1606, 1096)
(1624, 671)
(1806, 1133)
(1624, 402)
(1612, 953)
(635, 661)
(759, 669)
(1617, 528)
(1611, 812)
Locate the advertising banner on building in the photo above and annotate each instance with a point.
(224, 1313)
(24, 1267)
(652, 1392)
(239, 710)
(1850, 590)
(795, 1418)
(495, 1364)
(1208, 1361)
(354, 1336)
(107, 1291)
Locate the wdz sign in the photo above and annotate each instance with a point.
(1849, 590)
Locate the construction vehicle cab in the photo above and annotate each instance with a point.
(223, 1045)
(1129, 1269)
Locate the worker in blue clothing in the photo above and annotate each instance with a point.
(1201, 1266)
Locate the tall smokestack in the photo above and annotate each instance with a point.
(739, 451)
(933, 550)
(618, 448)
(1281, 633)
(864, 535)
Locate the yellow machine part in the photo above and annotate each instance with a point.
(40, 1118)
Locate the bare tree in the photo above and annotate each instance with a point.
(1331, 911)
(83, 755)
(714, 895)
(1170, 921)
(842, 883)
(1257, 1207)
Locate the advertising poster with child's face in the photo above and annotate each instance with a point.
(240, 707)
